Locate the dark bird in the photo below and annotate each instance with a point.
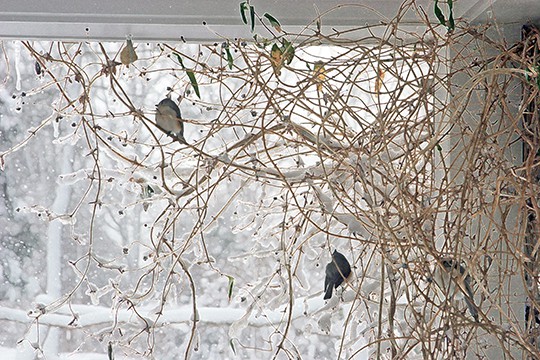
(169, 119)
(337, 270)
(528, 321)
(459, 279)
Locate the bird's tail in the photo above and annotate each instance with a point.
(180, 138)
(328, 293)
(469, 300)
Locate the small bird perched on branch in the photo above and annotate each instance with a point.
(169, 120)
(455, 281)
(337, 270)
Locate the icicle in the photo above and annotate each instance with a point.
(72, 178)
(17, 69)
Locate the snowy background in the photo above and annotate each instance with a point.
(112, 234)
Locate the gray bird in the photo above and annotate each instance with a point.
(337, 270)
(457, 282)
(169, 119)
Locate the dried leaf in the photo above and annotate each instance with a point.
(276, 57)
(319, 72)
(379, 80)
(107, 69)
(128, 54)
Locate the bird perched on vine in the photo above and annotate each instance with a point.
(169, 120)
(337, 270)
(454, 280)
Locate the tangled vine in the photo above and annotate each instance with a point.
(413, 153)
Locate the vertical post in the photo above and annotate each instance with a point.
(51, 345)
(531, 158)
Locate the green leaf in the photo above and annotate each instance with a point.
(288, 51)
(179, 58)
(243, 8)
(230, 287)
(451, 23)
(147, 192)
(265, 42)
(229, 58)
(273, 22)
(252, 17)
(439, 14)
(190, 75)
(276, 53)
(260, 41)
(193, 81)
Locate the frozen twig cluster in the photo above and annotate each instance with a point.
(403, 150)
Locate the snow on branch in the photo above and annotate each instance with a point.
(207, 187)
